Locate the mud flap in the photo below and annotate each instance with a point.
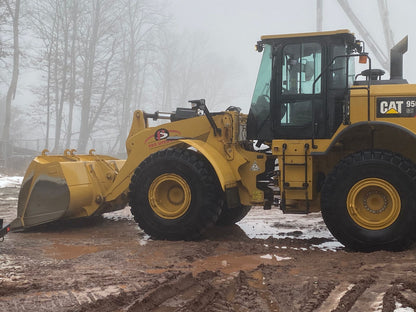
(232, 197)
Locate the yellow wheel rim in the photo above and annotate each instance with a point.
(373, 203)
(169, 196)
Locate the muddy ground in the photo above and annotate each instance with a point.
(267, 263)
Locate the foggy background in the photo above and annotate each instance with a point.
(85, 66)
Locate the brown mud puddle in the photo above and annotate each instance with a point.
(59, 251)
(226, 263)
(234, 262)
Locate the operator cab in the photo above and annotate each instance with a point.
(302, 85)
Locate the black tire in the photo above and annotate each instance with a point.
(368, 201)
(186, 189)
(232, 216)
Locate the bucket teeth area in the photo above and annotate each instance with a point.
(44, 201)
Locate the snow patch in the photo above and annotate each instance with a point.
(278, 258)
(329, 246)
(281, 258)
(399, 308)
(144, 240)
(262, 224)
(123, 214)
(10, 181)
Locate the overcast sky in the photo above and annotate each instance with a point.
(234, 26)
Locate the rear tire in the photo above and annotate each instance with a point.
(173, 195)
(368, 201)
(232, 216)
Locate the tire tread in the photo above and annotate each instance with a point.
(207, 216)
(330, 187)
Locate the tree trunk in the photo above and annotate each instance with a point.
(64, 71)
(84, 133)
(11, 92)
(73, 73)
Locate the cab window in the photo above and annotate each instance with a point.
(338, 77)
(260, 103)
(300, 67)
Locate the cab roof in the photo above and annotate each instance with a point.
(311, 34)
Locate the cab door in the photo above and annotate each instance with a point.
(299, 101)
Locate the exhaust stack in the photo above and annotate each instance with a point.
(396, 59)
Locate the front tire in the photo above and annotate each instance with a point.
(368, 201)
(173, 195)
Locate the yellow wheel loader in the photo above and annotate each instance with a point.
(318, 136)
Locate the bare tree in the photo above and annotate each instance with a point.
(98, 35)
(95, 57)
(141, 20)
(102, 59)
(75, 13)
(53, 24)
(13, 9)
(71, 32)
(61, 92)
(6, 44)
(187, 69)
(167, 68)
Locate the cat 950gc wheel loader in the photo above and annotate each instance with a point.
(335, 141)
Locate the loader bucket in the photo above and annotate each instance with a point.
(64, 186)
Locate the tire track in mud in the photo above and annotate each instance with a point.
(376, 290)
(372, 293)
(331, 302)
(208, 291)
(29, 297)
(353, 295)
(62, 300)
(377, 287)
(247, 291)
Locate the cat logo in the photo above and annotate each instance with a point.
(391, 107)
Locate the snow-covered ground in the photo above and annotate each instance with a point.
(261, 223)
